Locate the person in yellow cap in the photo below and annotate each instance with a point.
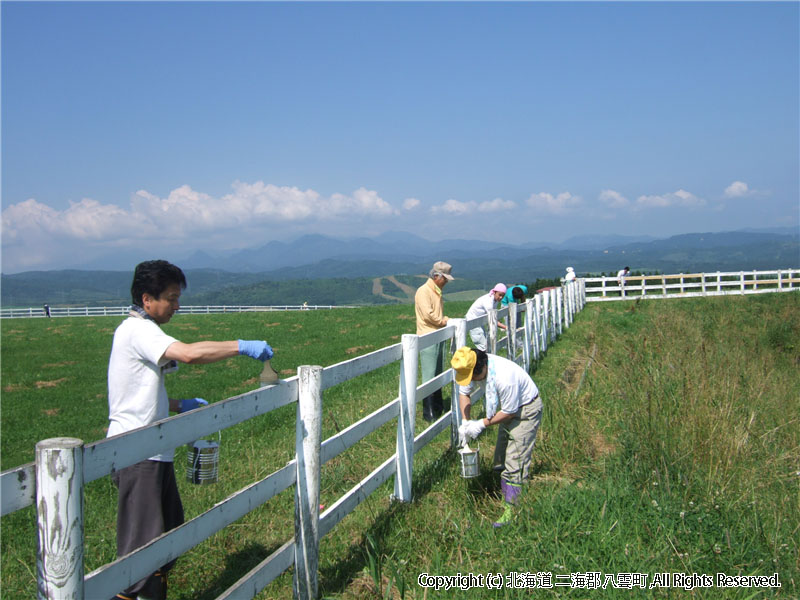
(512, 402)
(429, 309)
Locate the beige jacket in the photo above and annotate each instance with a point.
(429, 306)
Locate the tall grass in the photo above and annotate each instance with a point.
(670, 442)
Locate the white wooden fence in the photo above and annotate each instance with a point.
(64, 465)
(685, 285)
(106, 311)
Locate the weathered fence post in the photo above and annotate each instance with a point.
(492, 327)
(405, 424)
(455, 421)
(526, 352)
(560, 310)
(545, 326)
(511, 337)
(537, 325)
(306, 506)
(59, 513)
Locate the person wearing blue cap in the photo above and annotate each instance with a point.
(141, 355)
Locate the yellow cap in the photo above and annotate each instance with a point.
(463, 362)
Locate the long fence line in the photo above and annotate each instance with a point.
(111, 311)
(55, 481)
(686, 285)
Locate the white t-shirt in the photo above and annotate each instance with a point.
(570, 276)
(481, 306)
(508, 386)
(137, 395)
(621, 275)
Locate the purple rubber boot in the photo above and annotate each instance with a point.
(510, 493)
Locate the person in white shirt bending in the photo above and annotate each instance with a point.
(512, 402)
(481, 307)
(621, 275)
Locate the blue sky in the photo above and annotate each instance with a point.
(160, 128)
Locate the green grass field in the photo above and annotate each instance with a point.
(670, 443)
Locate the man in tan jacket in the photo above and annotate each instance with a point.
(429, 307)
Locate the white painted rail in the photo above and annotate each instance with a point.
(59, 574)
(688, 285)
(111, 311)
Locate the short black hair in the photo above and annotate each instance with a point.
(153, 277)
(518, 294)
(481, 360)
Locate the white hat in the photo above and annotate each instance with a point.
(570, 269)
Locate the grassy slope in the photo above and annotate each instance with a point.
(670, 442)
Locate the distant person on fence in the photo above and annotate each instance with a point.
(429, 308)
(570, 276)
(512, 402)
(621, 275)
(47, 310)
(515, 293)
(481, 307)
(141, 355)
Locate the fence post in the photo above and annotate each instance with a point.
(553, 312)
(537, 325)
(741, 281)
(571, 288)
(560, 305)
(545, 321)
(306, 505)
(511, 337)
(405, 423)
(526, 351)
(583, 293)
(492, 327)
(455, 422)
(59, 513)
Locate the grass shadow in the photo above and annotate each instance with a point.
(237, 564)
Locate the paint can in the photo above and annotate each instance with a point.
(203, 462)
(470, 466)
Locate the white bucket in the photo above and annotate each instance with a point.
(470, 466)
(203, 462)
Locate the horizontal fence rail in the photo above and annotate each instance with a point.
(531, 328)
(110, 311)
(687, 285)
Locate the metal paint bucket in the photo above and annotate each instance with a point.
(470, 466)
(202, 462)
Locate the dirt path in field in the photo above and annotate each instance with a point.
(377, 289)
(407, 289)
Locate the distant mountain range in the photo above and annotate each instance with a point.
(216, 278)
(392, 247)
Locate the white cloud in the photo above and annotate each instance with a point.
(562, 204)
(411, 204)
(183, 216)
(454, 207)
(737, 189)
(679, 198)
(496, 205)
(613, 199)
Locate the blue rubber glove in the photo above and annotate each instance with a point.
(257, 349)
(188, 404)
